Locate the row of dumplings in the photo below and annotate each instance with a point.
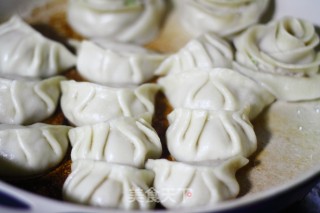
(176, 184)
(139, 21)
(210, 134)
(213, 106)
(115, 149)
(30, 93)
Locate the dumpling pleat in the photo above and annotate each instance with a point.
(233, 134)
(17, 107)
(52, 142)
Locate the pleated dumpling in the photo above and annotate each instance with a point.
(215, 89)
(26, 101)
(107, 185)
(115, 63)
(136, 21)
(200, 135)
(182, 185)
(25, 52)
(31, 150)
(223, 17)
(205, 51)
(281, 56)
(124, 140)
(85, 103)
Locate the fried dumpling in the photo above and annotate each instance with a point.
(200, 135)
(205, 51)
(31, 150)
(215, 89)
(182, 185)
(223, 17)
(27, 101)
(85, 103)
(136, 21)
(281, 56)
(123, 140)
(102, 184)
(115, 63)
(25, 52)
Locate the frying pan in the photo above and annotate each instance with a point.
(284, 168)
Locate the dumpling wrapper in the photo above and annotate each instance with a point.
(115, 63)
(201, 135)
(205, 51)
(123, 140)
(27, 101)
(85, 103)
(223, 17)
(136, 21)
(102, 184)
(184, 186)
(281, 57)
(31, 150)
(25, 52)
(215, 89)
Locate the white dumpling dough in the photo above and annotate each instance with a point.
(136, 21)
(124, 140)
(25, 52)
(107, 185)
(205, 51)
(116, 63)
(31, 150)
(215, 89)
(85, 103)
(200, 135)
(281, 56)
(181, 185)
(223, 17)
(26, 101)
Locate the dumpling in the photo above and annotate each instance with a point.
(285, 47)
(31, 150)
(123, 140)
(215, 89)
(200, 135)
(107, 185)
(25, 52)
(116, 63)
(206, 51)
(182, 185)
(85, 103)
(136, 21)
(281, 56)
(223, 17)
(26, 101)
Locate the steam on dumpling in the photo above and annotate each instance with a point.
(124, 140)
(223, 17)
(136, 21)
(115, 63)
(102, 184)
(281, 56)
(25, 52)
(206, 51)
(31, 150)
(85, 103)
(26, 101)
(200, 135)
(183, 185)
(215, 89)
